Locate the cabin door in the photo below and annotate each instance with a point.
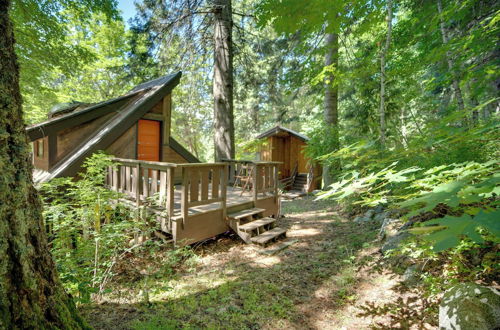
(148, 140)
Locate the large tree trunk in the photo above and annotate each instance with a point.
(331, 101)
(31, 295)
(223, 80)
(449, 59)
(383, 54)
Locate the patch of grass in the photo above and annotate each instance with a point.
(233, 305)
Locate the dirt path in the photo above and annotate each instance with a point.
(319, 282)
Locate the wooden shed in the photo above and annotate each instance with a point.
(133, 126)
(297, 171)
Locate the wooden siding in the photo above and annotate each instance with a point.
(125, 146)
(286, 149)
(70, 138)
(41, 162)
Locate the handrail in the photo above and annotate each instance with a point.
(200, 164)
(249, 161)
(291, 179)
(146, 163)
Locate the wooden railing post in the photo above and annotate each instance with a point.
(184, 195)
(224, 183)
(255, 182)
(276, 179)
(170, 196)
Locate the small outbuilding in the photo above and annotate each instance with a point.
(297, 171)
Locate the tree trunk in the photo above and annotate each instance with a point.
(223, 81)
(331, 101)
(383, 54)
(451, 65)
(31, 295)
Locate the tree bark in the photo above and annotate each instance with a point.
(31, 295)
(330, 112)
(223, 81)
(449, 59)
(383, 54)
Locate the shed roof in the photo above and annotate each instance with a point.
(277, 129)
(128, 109)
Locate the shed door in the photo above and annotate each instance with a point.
(148, 140)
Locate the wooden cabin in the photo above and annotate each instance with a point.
(297, 171)
(154, 174)
(133, 126)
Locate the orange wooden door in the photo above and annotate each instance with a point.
(148, 140)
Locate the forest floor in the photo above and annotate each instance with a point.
(323, 280)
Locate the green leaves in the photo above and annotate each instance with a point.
(452, 229)
(445, 193)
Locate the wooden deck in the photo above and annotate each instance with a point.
(198, 207)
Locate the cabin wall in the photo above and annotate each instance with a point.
(69, 139)
(301, 159)
(41, 162)
(126, 145)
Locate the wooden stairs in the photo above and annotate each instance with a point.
(300, 182)
(253, 227)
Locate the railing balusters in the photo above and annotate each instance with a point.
(215, 183)
(204, 183)
(194, 184)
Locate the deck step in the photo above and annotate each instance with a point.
(256, 224)
(268, 235)
(245, 213)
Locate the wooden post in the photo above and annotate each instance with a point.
(163, 197)
(116, 185)
(254, 182)
(170, 196)
(276, 173)
(232, 169)
(137, 180)
(185, 195)
(136, 186)
(223, 185)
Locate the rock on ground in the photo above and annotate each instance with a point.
(470, 306)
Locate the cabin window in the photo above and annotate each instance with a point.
(39, 148)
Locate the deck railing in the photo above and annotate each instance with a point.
(264, 175)
(141, 180)
(201, 183)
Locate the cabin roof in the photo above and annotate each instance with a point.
(278, 129)
(128, 109)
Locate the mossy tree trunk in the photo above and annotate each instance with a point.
(31, 295)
